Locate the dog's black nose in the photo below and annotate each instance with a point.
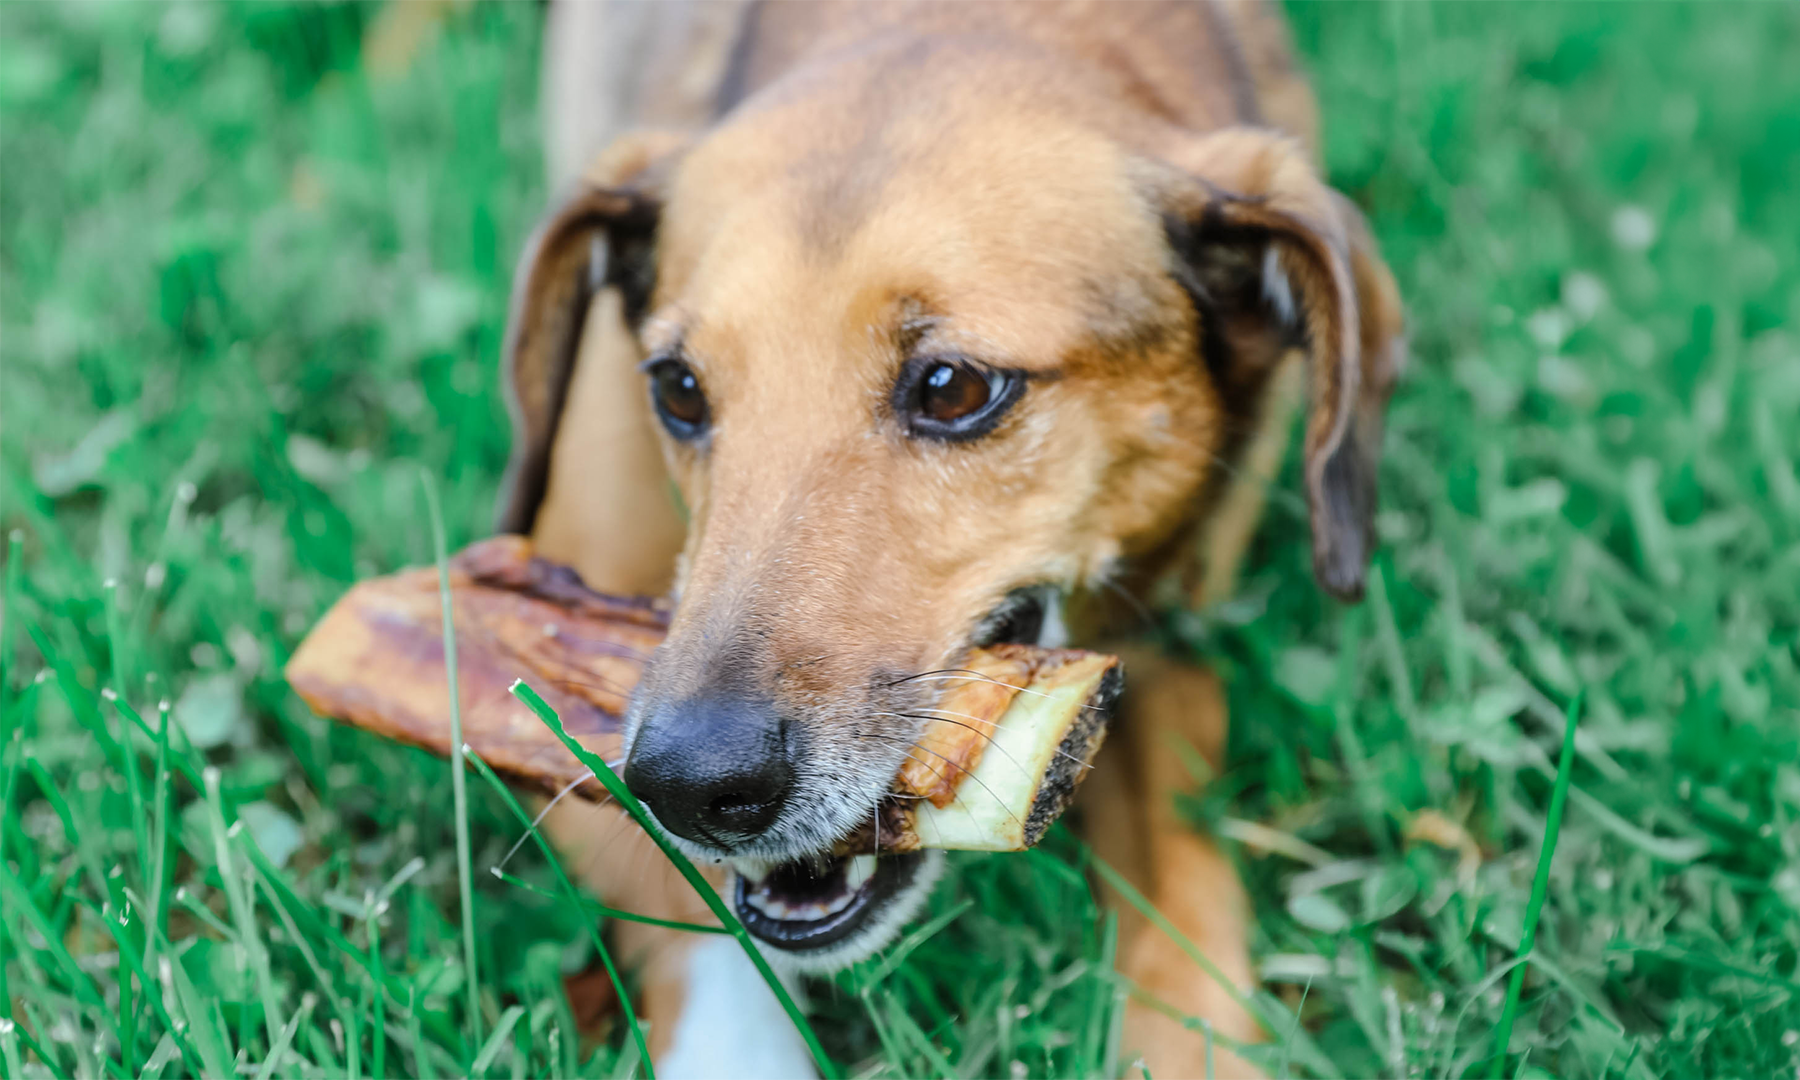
(716, 771)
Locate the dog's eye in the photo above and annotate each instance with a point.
(680, 403)
(954, 399)
(951, 391)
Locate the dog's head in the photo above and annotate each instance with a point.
(912, 390)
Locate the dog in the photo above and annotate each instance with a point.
(872, 332)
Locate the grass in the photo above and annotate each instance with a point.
(459, 798)
(251, 280)
(1540, 886)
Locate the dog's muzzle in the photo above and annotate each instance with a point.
(824, 911)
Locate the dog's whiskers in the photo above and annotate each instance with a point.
(1146, 618)
(954, 786)
(971, 675)
(536, 821)
(948, 713)
(990, 739)
(927, 674)
(956, 795)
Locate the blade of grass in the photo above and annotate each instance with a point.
(891, 1048)
(128, 755)
(616, 787)
(165, 1052)
(204, 914)
(14, 750)
(1393, 658)
(416, 1035)
(9, 595)
(127, 1025)
(491, 1049)
(9, 1047)
(243, 913)
(1540, 887)
(376, 994)
(568, 887)
(286, 1038)
(458, 792)
(162, 806)
(623, 1067)
(1116, 995)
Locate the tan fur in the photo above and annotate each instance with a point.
(993, 181)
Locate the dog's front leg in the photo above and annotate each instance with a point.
(1132, 819)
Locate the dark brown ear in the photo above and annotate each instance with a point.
(598, 238)
(1273, 259)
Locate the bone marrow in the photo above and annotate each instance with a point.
(1018, 726)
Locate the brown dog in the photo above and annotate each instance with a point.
(894, 328)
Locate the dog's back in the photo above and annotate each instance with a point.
(680, 64)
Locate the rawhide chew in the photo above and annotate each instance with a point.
(980, 784)
(1019, 725)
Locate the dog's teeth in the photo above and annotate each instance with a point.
(810, 911)
(835, 892)
(751, 869)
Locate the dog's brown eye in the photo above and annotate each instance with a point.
(954, 400)
(680, 403)
(952, 391)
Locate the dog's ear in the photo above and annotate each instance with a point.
(602, 236)
(1274, 259)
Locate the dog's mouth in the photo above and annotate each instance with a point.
(823, 910)
(829, 908)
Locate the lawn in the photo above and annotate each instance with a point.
(253, 269)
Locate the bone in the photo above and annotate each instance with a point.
(1016, 728)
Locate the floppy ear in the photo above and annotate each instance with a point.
(601, 236)
(1273, 259)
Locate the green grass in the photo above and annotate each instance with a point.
(247, 289)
